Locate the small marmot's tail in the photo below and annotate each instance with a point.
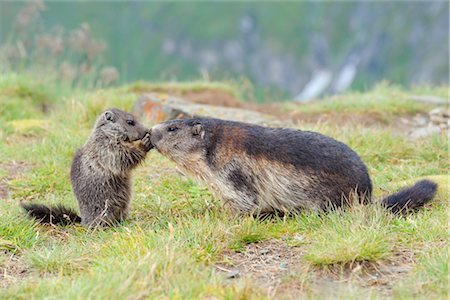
(51, 215)
(411, 197)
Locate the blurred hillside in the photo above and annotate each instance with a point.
(297, 49)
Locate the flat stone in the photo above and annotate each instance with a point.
(440, 111)
(430, 99)
(424, 132)
(396, 269)
(436, 119)
(157, 108)
(419, 120)
(283, 265)
(233, 274)
(264, 251)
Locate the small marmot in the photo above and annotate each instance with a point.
(100, 172)
(256, 169)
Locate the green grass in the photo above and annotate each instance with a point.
(22, 97)
(383, 102)
(59, 257)
(16, 232)
(183, 87)
(357, 235)
(177, 231)
(429, 279)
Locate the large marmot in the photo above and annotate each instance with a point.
(256, 169)
(100, 172)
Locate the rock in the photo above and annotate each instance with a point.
(397, 269)
(283, 265)
(158, 108)
(420, 120)
(437, 121)
(440, 111)
(424, 132)
(264, 251)
(298, 237)
(439, 116)
(233, 274)
(430, 99)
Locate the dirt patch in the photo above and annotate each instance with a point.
(379, 276)
(219, 98)
(278, 268)
(339, 118)
(3, 190)
(222, 98)
(13, 170)
(267, 263)
(213, 97)
(403, 125)
(201, 96)
(12, 269)
(399, 125)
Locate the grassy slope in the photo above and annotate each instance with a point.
(177, 231)
(384, 102)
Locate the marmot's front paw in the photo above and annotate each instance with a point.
(146, 143)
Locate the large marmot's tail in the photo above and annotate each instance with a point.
(51, 215)
(411, 197)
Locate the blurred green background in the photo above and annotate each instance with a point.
(295, 49)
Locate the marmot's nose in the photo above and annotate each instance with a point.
(155, 135)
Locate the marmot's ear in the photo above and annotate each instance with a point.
(108, 115)
(197, 129)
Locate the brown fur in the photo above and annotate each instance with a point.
(256, 169)
(101, 172)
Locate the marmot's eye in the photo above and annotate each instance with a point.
(172, 128)
(130, 122)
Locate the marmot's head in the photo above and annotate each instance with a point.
(177, 139)
(200, 143)
(120, 125)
